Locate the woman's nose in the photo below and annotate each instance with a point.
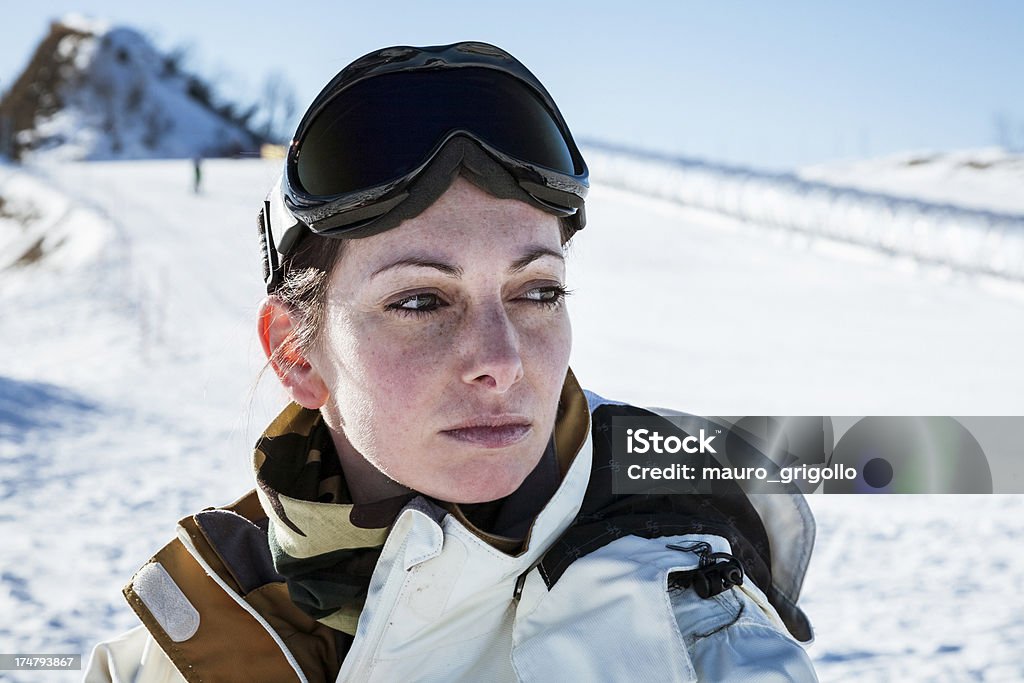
(492, 350)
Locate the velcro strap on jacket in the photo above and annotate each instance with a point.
(204, 632)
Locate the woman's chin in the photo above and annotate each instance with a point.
(482, 481)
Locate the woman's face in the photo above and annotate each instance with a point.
(446, 345)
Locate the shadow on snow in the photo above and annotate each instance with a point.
(27, 406)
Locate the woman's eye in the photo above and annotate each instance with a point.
(417, 304)
(550, 296)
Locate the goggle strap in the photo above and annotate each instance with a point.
(271, 266)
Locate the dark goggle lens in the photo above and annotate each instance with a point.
(383, 128)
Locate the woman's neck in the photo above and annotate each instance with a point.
(366, 483)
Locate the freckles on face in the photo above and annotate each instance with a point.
(446, 345)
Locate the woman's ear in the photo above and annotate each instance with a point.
(276, 330)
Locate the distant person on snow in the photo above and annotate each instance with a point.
(436, 503)
(197, 173)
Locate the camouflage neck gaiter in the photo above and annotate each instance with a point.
(326, 559)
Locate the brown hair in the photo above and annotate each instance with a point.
(306, 273)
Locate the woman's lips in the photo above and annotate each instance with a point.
(490, 437)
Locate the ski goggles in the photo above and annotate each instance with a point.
(378, 125)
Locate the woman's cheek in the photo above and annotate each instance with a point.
(548, 341)
(405, 366)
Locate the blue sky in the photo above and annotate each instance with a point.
(770, 84)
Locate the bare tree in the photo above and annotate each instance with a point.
(277, 107)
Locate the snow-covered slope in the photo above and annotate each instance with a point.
(129, 359)
(95, 91)
(901, 212)
(985, 179)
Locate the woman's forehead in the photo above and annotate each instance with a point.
(465, 228)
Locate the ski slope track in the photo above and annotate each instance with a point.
(128, 394)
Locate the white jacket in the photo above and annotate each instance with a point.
(443, 605)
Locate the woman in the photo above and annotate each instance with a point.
(436, 503)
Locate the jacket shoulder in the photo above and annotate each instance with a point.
(773, 534)
(675, 635)
(214, 605)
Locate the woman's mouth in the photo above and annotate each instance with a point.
(499, 436)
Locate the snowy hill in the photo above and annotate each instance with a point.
(129, 394)
(94, 91)
(986, 179)
(961, 212)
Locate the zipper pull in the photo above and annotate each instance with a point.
(715, 572)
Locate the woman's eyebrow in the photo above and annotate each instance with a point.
(532, 254)
(447, 269)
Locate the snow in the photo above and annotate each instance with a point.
(85, 24)
(984, 179)
(128, 394)
(914, 217)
